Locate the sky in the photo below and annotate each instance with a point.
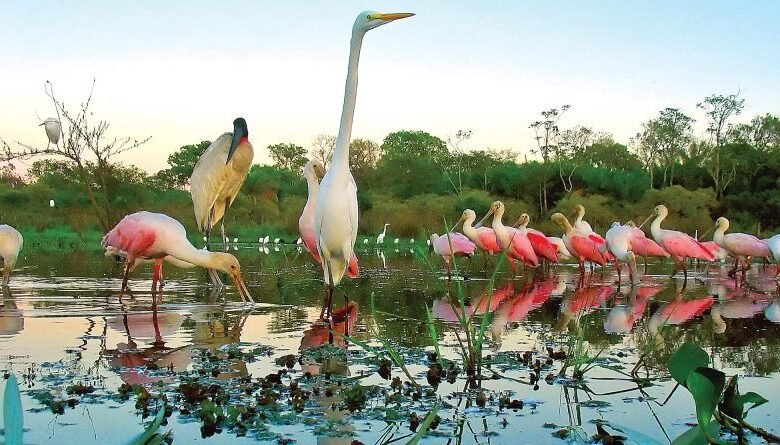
(181, 71)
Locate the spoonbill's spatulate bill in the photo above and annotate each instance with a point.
(336, 212)
(155, 236)
(10, 244)
(218, 176)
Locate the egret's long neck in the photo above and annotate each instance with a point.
(341, 152)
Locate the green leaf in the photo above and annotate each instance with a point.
(13, 419)
(706, 385)
(731, 405)
(696, 435)
(149, 433)
(751, 397)
(689, 357)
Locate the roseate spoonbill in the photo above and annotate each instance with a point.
(679, 245)
(515, 244)
(542, 246)
(336, 212)
(155, 236)
(53, 130)
(774, 247)
(218, 176)
(718, 252)
(583, 247)
(563, 252)
(380, 239)
(483, 237)
(10, 244)
(312, 171)
(585, 228)
(461, 246)
(740, 245)
(644, 246)
(619, 242)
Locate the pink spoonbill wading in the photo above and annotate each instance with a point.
(582, 247)
(542, 246)
(452, 244)
(515, 244)
(483, 237)
(619, 242)
(336, 211)
(643, 246)
(679, 245)
(740, 245)
(155, 236)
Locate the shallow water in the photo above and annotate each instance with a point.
(61, 322)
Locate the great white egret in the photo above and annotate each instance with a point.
(10, 244)
(380, 239)
(336, 213)
(218, 176)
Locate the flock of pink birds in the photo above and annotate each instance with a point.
(621, 243)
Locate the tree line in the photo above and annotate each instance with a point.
(413, 179)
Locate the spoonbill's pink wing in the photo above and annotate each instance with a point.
(681, 245)
(488, 239)
(542, 246)
(586, 249)
(744, 244)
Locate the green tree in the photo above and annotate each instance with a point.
(546, 133)
(288, 156)
(363, 156)
(719, 109)
(416, 143)
(181, 164)
(665, 139)
(606, 153)
(763, 133)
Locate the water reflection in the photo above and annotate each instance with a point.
(320, 333)
(11, 318)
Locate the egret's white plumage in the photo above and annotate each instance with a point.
(53, 130)
(336, 212)
(10, 244)
(218, 176)
(380, 239)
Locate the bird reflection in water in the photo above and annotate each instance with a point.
(621, 317)
(319, 334)
(11, 317)
(211, 331)
(585, 298)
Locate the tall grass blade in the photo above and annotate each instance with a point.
(13, 420)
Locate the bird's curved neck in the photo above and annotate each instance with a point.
(384, 230)
(341, 151)
(655, 227)
(313, 186)
(717, 236)
(567, 227)
(578, 218)
(188, 253)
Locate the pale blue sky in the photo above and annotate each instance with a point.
(181, 71)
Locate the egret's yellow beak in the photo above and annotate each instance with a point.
(391, 16)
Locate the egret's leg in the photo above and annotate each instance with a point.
(329, 290)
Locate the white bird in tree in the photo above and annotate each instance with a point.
(10, 244)
(218, 176)
(380, 239)
(53, 130)
(336, 213)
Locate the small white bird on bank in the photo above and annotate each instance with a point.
(380, 239)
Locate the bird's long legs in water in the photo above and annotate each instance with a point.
(128, 267)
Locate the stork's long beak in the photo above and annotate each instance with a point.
(233, 145)
(42, 123)
(484, 218)
(241, 287)
(392, 16)
(646, 220)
